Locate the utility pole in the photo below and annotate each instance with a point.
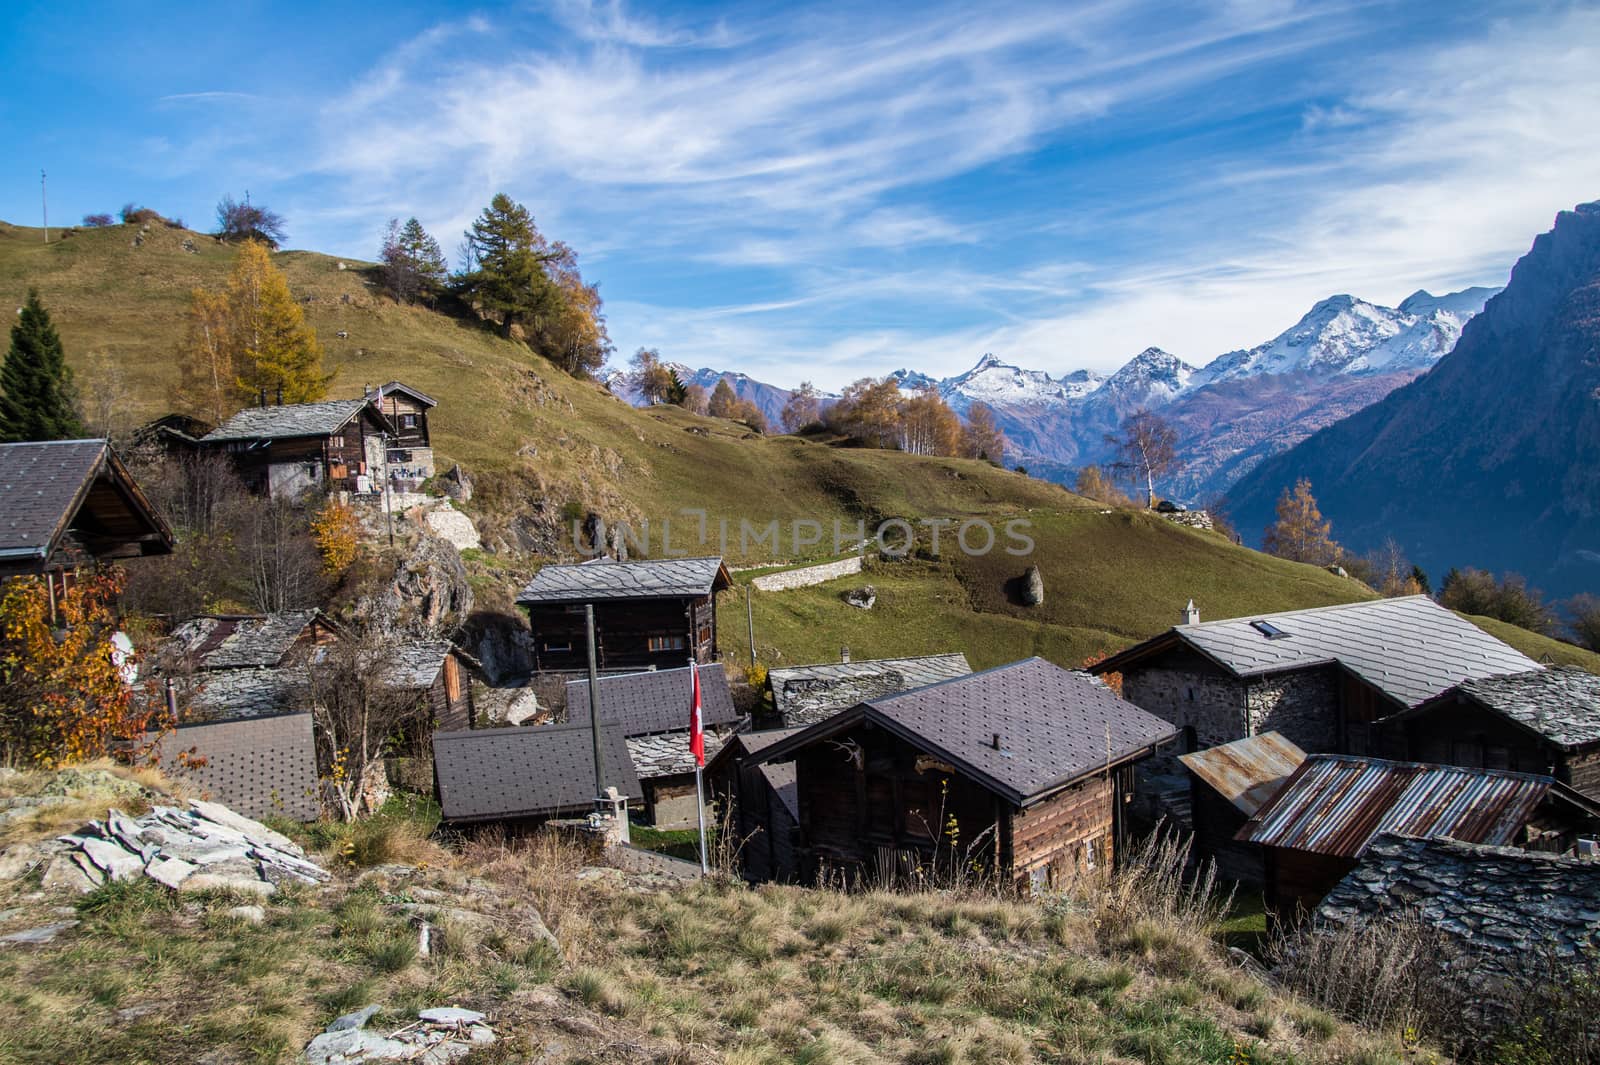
(388, 505)
(44, 203)
(750, 623)
(594, 709)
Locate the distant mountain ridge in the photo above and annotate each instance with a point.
(1240, 408)
(1490, 459)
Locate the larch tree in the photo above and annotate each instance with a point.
(1301, 533)
(1147, 449)
(869, 411)
(1092, 483)
(724, 404)
(982, 438)
(271, 341)
(37, 398)
(802, 408)
(208, 363)
(650, 378)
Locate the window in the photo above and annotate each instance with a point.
(1268, 629)
(665, 643)
(552, 647)
(336, 440)
(408, 421)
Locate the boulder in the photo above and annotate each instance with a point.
(66, 873)
(18, 860)
(457, 484)
(248, 914)
(42, 934)
(862, 598)
(454, 528)
(1033, 587)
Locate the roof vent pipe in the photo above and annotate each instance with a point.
(1191, 614)
(996, 742)
(280, 395)
(844, 654)
(261, 397)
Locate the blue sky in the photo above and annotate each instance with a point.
(832, 191)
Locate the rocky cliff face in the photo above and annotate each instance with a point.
(1493, 457)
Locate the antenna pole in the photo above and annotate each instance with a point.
(44, 203)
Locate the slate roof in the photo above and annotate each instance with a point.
(655, 701)
(1409, 648)
(401, 386)
(603, 579)
(804, 695)
(44, 486)
(1336, 804)
(1053, 725)
(417, 665)
(1247, 772)
(502, 773)
(1562, 704)
(288, 421)
(219, 641)
(233, 694)
(667, 754)
(783, 781)
(1489, 899)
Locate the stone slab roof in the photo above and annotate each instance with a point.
(1490, 899)
(1409, 648)
(221, 641)
(417, 665)
(1562, 705)
(667, 754)
(1336, 804)
(602, 579)
(504, 773)
(1054, 726)
(288, 421)
(235, 694)
(400, 386)
(655, 700)
(804, 695)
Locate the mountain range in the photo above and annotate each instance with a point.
(1240, 408)
(1492, 458)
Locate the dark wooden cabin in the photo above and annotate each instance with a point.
(410, 457)
(442, 674)
(285, 451)
(652, 709)
(761, 804)
(1540, 721)
(1022, 770)
(654, 614)
(67, 503)
(524, 776)
(1229, 785)
(1319, 824)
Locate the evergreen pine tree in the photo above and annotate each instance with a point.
(36, 393)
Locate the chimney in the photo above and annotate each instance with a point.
(261, 397)
(1191, 614)
(366, 391)
(844, 654)
(280, 395)
(996, 742)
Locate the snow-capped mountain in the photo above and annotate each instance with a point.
(994, 382)
(1152, 378)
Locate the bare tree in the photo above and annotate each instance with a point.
(284, 566)
(248, 221)
(802, 408)
(359, 715)
(1147, 448)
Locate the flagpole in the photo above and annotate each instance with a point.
(700, 805)
(697, 746)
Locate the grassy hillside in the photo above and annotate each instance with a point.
(540, 442)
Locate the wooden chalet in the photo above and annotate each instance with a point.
(652, 710)
(761, 803)
(654, 614)
(284, 451)
(1321, 677)
(521, 777)
(410, 455)
(1318, 825)
(1023, 770)
(1229, 785)
(1541, 721)
(67, 503)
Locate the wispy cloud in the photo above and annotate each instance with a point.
(209, 96)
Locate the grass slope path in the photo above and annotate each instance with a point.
(535, 437)
(639, 969)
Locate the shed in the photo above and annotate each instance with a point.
(1023, 767)
(1538, 721)
(760, 802)
(652, 710)
(1322, 677)
(526, 775)
(648, 614)
(444, 672)
(1229, 784)
(804, 695)
(1322, 820)
(71, 502)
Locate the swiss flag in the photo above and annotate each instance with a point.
(697, 735)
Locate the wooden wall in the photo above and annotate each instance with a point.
(624, 630)
(397, 406)
(1070, 832)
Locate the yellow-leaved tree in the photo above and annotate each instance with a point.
(208, 363)
(275, 347)
(1301, 533)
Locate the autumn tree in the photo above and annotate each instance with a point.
(413, 263)
(246, 222)
(928, 426)
(1508, 598)
(62, 698)
(359, 714)
(272, 344)
(337, 532)
(208, 360)
(1093, 483)
(1147, 449)
(37, 399)
(650, 378)
(750, 414)
(868, 410)
(802, 408)
(724, 403)
(1301, 534)
(982, 438)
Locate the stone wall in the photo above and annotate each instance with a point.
(807, 575)
(1212, 704)
(1304, 706)
(1194, 519)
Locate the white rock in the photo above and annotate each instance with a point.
(454, 527)
(169, 871)
(238, 885)
(112, 859)
(253, 830)
(248, 914)
(64, 873)
(450, 1015)
(42, 934)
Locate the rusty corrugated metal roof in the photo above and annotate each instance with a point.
(1336, 804)
(1247, 772)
